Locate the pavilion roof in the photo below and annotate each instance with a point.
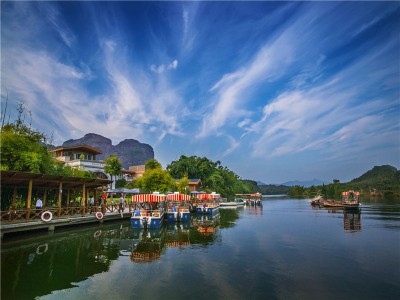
(21, 179)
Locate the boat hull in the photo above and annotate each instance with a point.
(152, 220)
(207, 210)
(178, 216)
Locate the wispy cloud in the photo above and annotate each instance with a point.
(164, 67)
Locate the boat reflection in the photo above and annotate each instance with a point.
(207, 225)
(147, 245)
(178, 235)
(352, 221)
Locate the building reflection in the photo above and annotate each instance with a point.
(352, 220)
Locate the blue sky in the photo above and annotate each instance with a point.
(276, 91)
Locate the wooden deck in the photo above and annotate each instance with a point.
(37, 224)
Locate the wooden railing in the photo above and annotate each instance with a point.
(32, 214)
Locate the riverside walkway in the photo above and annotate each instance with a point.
(36, 223)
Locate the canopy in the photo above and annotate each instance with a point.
(148, 198)
(178, 197)
(124, 190)
(208, 196)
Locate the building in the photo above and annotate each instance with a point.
(193, 184)
(84, 158)
(81, 157)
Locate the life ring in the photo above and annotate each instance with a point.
(97, 234)
(99, 215)
(38, 249)
(43, 216)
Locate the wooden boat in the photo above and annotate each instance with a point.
(208, 203)
(331, 203)
(152, 211)
(178, 207)
(350, 200)
(317, 200)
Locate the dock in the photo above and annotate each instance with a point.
(35, 225)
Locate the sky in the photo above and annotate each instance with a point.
(275, 91)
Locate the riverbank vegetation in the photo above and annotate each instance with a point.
(379, 181)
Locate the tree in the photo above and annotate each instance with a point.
(22, 148)
(152, 164)
(156, 180)
(182, 185)
(112, 166)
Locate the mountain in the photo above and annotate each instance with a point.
(305, 183)
(130, 152)
(384, 172)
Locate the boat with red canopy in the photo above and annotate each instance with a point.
(152, 211)
(178, 207)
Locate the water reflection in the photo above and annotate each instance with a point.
(207, 225)
(352, 221)
(147, 244)
(62, 258)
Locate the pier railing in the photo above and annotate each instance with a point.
(32, 214)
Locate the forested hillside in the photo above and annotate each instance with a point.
(380, 180)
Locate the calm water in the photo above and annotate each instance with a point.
(284, 250)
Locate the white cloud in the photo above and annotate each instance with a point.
(267, 65)
(164, 67)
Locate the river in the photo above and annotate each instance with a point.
(284, 249)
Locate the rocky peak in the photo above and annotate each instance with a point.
(130, 152)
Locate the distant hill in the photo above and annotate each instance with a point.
(273, 189)
(305, 183)
(384, 179)
(130, 152)
(378, 173)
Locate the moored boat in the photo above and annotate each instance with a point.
(317, 200)
(250, 199)
(331, 203)
(236, 203)
(350, 200)
(152, 211)
(208, 203)
(178, 207)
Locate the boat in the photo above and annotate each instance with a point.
(208, 203)
(331, 203)
(236, 203)
(250, 199)
(151, 213)
(178, 207)
(317, 200)
(350, 200)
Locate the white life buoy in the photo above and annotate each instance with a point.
(99, 215)
(44, 214)
(39, 249)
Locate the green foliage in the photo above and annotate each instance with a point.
(213, 176)
(381, 180)
(152, 164)
(155, 180)
(296, 191)
(182, 185)
(120, 183)
(272, 189)
(112, 165)
(22, 149)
